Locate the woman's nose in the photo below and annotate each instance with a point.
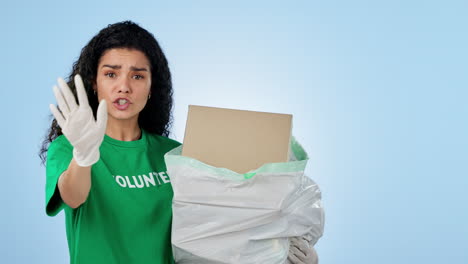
(124, 86)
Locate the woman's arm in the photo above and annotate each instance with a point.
(74, 184)
(84, 133)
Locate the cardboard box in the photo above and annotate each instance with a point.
(238, 140)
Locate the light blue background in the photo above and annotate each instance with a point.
(378, 90)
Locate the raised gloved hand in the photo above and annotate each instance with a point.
(77, 121)
(300, 252)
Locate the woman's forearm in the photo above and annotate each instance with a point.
(74, 184)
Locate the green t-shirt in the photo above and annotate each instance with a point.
(127, 215)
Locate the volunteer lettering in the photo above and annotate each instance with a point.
(142, 181)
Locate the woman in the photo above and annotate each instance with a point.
(108, 173)
(105, 151)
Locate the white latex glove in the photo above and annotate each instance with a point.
(77, 122)
(300, 252)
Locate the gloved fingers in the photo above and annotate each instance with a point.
(311, 256)
(301, 244)
(101, 117)
(67, 94)
(303, 251)
(296, 252)
(81, 92)
(294, 259)
(58, 116)
(61, 102)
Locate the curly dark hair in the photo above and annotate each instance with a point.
(156, 116)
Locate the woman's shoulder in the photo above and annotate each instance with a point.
(164, 142)
(60, 141)
(59, 148)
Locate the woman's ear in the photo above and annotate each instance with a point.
(94, 87)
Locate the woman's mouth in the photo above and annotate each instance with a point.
(121, 104)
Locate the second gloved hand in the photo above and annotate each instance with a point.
(77, 122)
(300, 252)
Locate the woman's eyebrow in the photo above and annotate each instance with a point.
(117, 67)
(133, 68)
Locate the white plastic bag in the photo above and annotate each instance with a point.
(220, 216)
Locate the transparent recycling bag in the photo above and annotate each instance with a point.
(220, 216)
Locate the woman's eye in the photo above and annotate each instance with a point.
(138, 77)
(110, 74)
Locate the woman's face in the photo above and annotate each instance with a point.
(124, 81)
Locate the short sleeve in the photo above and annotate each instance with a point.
(59, 155)
(164, 143)
(173, 144)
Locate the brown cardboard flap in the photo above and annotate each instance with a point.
(238, 140)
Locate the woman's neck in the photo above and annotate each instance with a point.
(123, 131)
